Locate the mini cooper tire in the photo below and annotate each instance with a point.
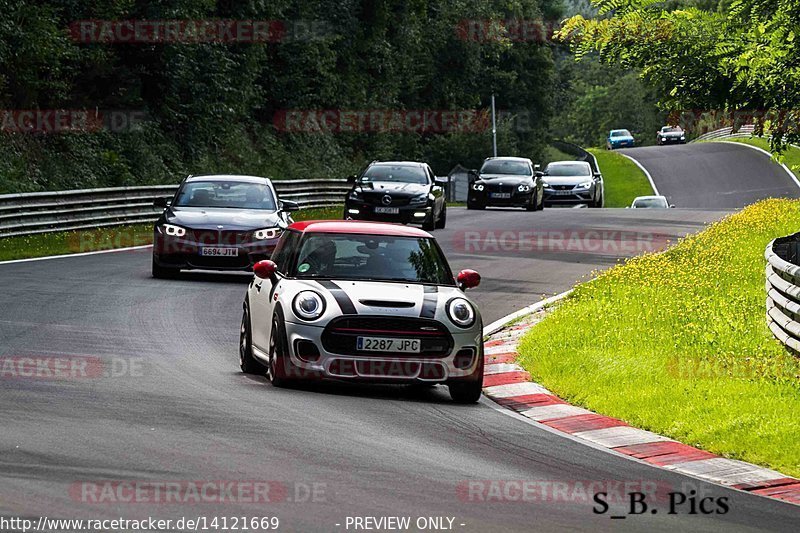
(247, 362)
(468, 390)
(280, 370)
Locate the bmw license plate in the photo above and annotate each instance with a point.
(387, 210)
(219, 252)
(382, 344)
(500, 195)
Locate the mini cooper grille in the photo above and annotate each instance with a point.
(340, 336)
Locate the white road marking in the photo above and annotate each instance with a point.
(768, 154)
(515, 389)
(646, 173)
(620, 436)
(549, 412)
(130, 248)
(726, 471)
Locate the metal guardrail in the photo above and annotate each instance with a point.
(578, 152)
(744, 131)
(783, 290)
(47, 212)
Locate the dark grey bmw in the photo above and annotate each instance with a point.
(218, 223)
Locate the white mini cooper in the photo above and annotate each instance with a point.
(364, 301)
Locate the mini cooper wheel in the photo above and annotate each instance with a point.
(468, 390)
(280, 368)
(247, 362)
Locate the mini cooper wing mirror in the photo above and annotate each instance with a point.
(289, 205)
(265, 269)
(161, 202)
(468, 279)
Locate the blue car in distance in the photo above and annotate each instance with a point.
(619, 139)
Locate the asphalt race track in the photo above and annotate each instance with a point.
(178, 409)
(713, 174)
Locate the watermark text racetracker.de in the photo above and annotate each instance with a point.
(180, 31)
(418, 121)
(70, 367)
(591, 241)
(52, 121)
(184, 492)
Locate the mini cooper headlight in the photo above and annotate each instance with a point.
(267, 233)
(308, 305)
(461, 312)
(174, 231)
(477, 187)
(524, 188)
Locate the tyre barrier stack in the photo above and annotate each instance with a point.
(783, 290)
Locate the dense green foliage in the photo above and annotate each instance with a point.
(734, 56)
(210, 106)
(593, 98)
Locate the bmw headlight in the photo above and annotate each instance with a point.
(461, 312)
(308, 305)
(524, 188)
(174, 231)
(584, 185)
(267, 233)
(477, 187)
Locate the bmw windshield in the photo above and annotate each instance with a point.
(513, 168)
(226, 194)
(371, 257)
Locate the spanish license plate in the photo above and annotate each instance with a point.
(563, 193)
(219, 252)
(387, 210)
(383, 344)
(500, 195)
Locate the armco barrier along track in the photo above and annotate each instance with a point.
(45, 212)
(783, 291)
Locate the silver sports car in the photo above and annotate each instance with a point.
(362, 301)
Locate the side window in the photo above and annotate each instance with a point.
(284, 250)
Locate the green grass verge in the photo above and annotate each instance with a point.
(677, 343)
(790, 158)
(623, 180)
(70, 242)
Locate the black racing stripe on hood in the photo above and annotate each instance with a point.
(429, 301)
(341, 297)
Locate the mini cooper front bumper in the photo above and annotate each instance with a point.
(446, 355)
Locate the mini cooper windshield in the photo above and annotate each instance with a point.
(371, 257)
(220, 194)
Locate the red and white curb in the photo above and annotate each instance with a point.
(510, 386)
